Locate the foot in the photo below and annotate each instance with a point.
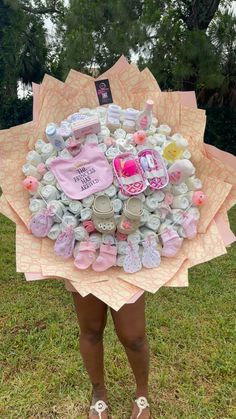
(139, 411)
(98, 396)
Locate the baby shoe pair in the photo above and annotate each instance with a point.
(86, 256)
(150, 258)
(103, 215)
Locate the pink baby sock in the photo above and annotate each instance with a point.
(190, 225)
(106, 258)
(86, 255)
(171, 242)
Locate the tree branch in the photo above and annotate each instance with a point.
(44, 10)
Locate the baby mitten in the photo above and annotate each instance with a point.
(151, 257)
(106, 258)
(171, 242)
(86, 255)
(41, 223)
(189, 225)
(132, 261)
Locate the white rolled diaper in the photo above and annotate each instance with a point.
(151, 203)
(153, 222)
(141, 196)
(69, 220)
(160, 139)
(122, 247)
(111, 191)
(39, 145)
(151, 141)
(80, 233)
(164, 129)
(122, 196)
(49, 193)
(154, 121)
(75, 207)
(146, 232)
(49, 179)
(55, 231)
(30, 170)
(193, 183)
(104, 133)
(164, 225)
(144, 216)
(96, 238)
(65, 154)
(148, 191)
(88, 201)
(58, 210)
(108, 239)
(49, 160)
(180, 201)
(180, 140)
(112, 152)
(48, 151)
(36, 205)
(86, 214)
(119, 133)
(152, 129)
(91, 138)
(135, 237)
(117, 205)
(65, 199)
(177, 216)
(102, 147)
(195, 213)
(33, 158)
(180, 189)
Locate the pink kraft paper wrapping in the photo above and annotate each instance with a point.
(129, 87)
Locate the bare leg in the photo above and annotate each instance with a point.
(92, 316)
(129, 323)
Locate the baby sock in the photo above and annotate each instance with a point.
(171, 242)
(106, 258)
(189, 225)
(86, 255)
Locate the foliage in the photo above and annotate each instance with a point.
(221, 128)
(15, 112)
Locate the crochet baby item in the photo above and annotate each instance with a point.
(132, 262)
(106, 258)
(171, 242)
(85, 255)
(65, 243)
(103, 214)
(41, 223)
(150, 257)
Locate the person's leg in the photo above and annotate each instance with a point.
(129, 323)
(92, 316)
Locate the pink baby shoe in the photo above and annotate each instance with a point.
(106, 258)
(189, 225)
(171, 242)
(86, 255)
(65, 242)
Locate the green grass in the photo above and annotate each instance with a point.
(191, 333)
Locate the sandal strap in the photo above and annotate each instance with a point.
(142, 403)
(100, 406)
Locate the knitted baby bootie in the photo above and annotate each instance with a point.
(106, 258)
(86, 255)
(189, 225)
(171, 242)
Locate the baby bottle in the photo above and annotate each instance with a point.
(130, 117)
(145, 117)
(54, 137)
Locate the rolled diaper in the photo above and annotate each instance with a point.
(112, 152)
(122, 248)
(65, 199)
(48, 151)
(122, 196)
(111, 191)
(193, 183)
(194, 211)
(180, 201)
(148, 191)
(154, 121)
(180, 141)
(141, 196)
(163, 226)
(65, 154)
(69, 220)
(160, 139)
(180, 189)
(120, 260)
(117, 205)
(88, 201)
(75, 207)
(119, 133)
(144, 217)
(177, 216)
(146, 232)
(33, 158)
(151, 203)
(152, 129)
(159, 196)
(58, 187)
(86, 214)
(105, 132)
(96, 238)
(108, 239)
(153, 222)
(135, 237)
(30, 170)
(158, 212)
(151, 141)
(58, 210)
(39, 145)
(55, 231)
(36, 205)
(117, 218)
(164, 129)
(50, 193)
(91, 139)
(80, 233)
(102, 147)
(49, 179)
(49, 160)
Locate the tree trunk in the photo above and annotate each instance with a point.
(200, 14)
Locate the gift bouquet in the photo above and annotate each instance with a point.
(111, 186)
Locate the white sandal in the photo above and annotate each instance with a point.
(142, 403)
(100, 406)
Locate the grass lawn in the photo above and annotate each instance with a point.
(191, 333)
